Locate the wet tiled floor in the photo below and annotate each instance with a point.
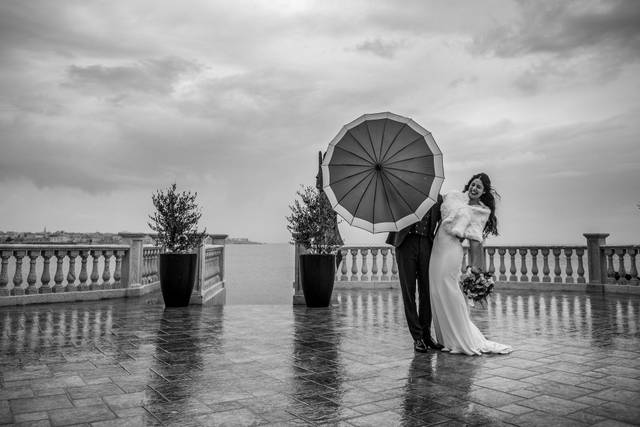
(130, 362)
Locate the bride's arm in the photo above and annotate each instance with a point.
(476, 255)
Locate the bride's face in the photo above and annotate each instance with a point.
(476, 189)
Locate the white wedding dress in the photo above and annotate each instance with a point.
(451, 320)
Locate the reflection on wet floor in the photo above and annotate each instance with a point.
(576, 362)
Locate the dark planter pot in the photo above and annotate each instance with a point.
(317, 273)
(177, 278)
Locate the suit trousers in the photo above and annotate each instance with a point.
(412, 257)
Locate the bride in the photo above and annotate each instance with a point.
(468, 215)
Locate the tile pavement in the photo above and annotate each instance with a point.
(130, 362)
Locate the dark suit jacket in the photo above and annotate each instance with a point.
(432, 218)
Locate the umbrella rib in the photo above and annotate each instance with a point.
(398, 192)
(384, 129)
(350, 176)
(353, 188)
(373, 149)
(351, 152)
(406, 171)
(362, 196)
(361, 146)
(412, 186)
(409, 158)
(382, 158)
(403, 148)
(386, 197)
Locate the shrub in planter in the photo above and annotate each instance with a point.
(175, 221)
(313, 224)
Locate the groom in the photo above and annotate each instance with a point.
(413, 249)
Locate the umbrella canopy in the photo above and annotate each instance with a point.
(382, 172)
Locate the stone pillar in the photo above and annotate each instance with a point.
(596, 262)
(298, 295)
(132, 261)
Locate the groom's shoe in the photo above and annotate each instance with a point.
(429, 342)
(420, 346)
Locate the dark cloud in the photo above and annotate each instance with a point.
(566, 28)
(65, 29)
(153, 76)
(379, 47)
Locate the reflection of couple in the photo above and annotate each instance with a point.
(434, 263)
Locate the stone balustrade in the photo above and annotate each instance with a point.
(60, 268)
(621, 264)
(547, 264)
(56, 273)
(374, 264)
(559, 265)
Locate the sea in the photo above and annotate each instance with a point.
(259, 274)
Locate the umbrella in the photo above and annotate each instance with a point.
(382, 172)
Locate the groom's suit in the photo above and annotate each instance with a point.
(413, 249)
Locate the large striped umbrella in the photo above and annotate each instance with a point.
(382, 172)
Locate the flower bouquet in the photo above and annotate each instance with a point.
(476, 285)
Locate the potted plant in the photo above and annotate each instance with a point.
(313, 224)
(175, 221)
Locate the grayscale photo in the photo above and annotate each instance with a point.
(319, 213)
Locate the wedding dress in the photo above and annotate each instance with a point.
(451, 320)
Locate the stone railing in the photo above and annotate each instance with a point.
(33, 274)
(620, 264)
(564, 267)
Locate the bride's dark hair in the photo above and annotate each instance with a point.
(489, 199)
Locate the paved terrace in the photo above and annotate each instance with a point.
(130, 362)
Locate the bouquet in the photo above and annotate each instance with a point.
(476, 285)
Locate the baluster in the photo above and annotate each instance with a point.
(144, 271)
(31, 277)
(83, 270)
(17, 276)
(117, 274)
(567, 253)
(545, 265)
(557, 271)
(343, 271)
(512, 268)
(394, 265)
(95, 257)
(385, 269)
(492, 267)
(153, 270)
(503, 268)
(354, 264)
(608, 252)
(4, 274)
(580, 254)
(374, 265)
(534, 265)
(364, 252)
(634, 270)
(46, 273)
(71, 274)
(523, 265)
(622, 271)
(106, 273)
(58, 277)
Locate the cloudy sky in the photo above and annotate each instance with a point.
(103, 102)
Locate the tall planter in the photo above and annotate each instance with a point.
(177, 278)
(317, 274)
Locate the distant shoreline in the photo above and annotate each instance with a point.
(240, 241)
